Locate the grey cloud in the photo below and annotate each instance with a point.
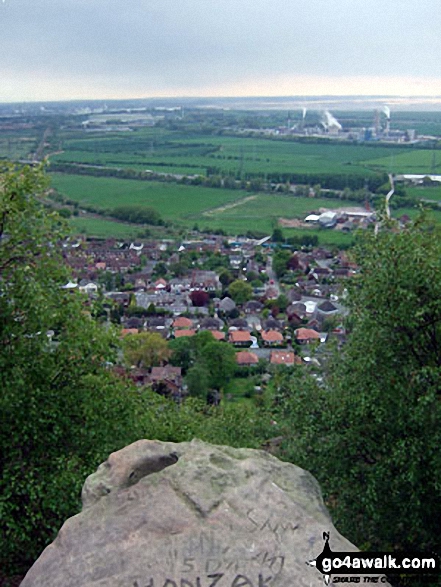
(176, 43)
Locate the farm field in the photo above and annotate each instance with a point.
(174, 202)
(161, 150)
(418, 161)
(262, 211)
(425, 193)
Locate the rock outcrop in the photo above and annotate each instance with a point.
(160, 514)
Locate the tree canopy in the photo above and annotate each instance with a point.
(372, 436)
(62, 411)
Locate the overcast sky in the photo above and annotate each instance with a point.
(70, 49)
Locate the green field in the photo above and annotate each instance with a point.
(418, 161)
(167, 151)
(178, 203)
(425, 193)
(234, 211)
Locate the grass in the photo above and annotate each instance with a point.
(262, 211)
(178, 203)
(234, 211)
(162, 150)
(418, 161)
(425, 193)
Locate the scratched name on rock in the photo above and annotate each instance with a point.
(212, 580)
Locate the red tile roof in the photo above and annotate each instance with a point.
(218, 334)
(180, 333)
(284, 358)
(247, 358)
(182, 322)
(272, 336)
(239, 336)
(306, 334)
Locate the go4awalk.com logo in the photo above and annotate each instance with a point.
(362, 563)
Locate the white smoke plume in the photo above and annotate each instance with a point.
(304, 113)
(330, 120)
(386, 110)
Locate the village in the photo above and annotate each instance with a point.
(274, 305)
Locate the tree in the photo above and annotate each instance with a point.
(198, 381)
(389, 390)
(378, 429)
(145, 349)
(62, 410)
(240, 291)
(199, 298)
(277, 236)
(220, 362)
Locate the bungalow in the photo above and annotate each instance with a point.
(181, 333)
(240, 337)
(246, 358)
(284, 358)
(272, 337)
(160, 285)
(306, 335)
(182, 322)
(227, 305)
(253, 307)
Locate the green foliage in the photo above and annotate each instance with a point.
(62, 411)
(240, 291)
(372, 436)
(137, 214)
(201, 355)
(280, 262)
(145, 349)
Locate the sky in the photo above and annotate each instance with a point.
(109, 49)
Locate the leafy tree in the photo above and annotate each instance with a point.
(240, 291)
(280, 262)
(225, 277)
(199, 298)
(145, 349)
(389, 388)
(198, 381)
(277, 236)
(220, 362)
(372, 437)
(62, 410)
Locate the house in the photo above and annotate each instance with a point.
(328, 308)
(88, 287)
(127, 331)
(182, 322)
(181, 333)
(253, 307)
(271, 337)
(218, 334)
(273, 324)
(206, 280)
(240, 337)
(246, 358)
(160, 285)
(227, 305)
(284, 358)
(239, 323)
(209, 323)
(306, 335)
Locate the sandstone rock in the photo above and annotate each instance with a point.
(160, 514)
